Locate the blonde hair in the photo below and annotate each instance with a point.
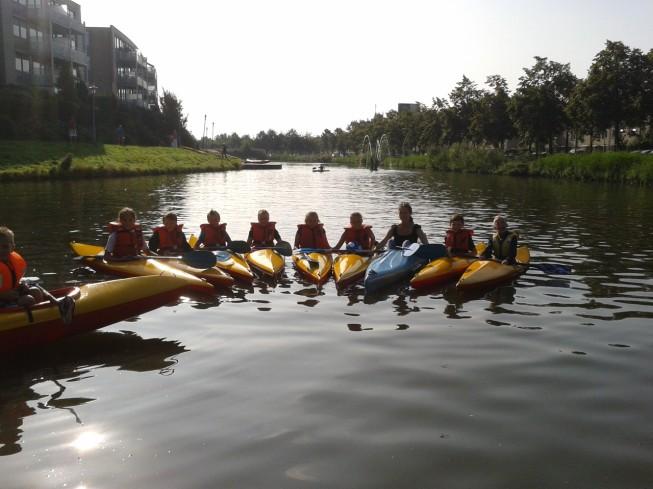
(263, 212)
(311, 214)
(7, 234)
(126, 211)
(212, 213)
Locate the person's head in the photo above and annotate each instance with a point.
(170, 221)
(500, 223)
(356, 219)
(213, 217)
(6, 242)
(312, 219)
(405, 212)
(457, 222)
(263, 217)
(127, 217)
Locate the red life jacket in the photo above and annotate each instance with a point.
(129, 242)
(169, 240)
(458, 242)
(263, 235)
(360, 236)
(12, 271)
(214, 236)
(312, 237)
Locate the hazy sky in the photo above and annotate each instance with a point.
(252, 65)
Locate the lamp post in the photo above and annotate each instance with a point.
(93, 89)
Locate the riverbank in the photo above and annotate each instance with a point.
(621, 167)
(33, 160)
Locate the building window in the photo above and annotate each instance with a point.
(38, 68)
(21, 2)
(22, 64)
(34, 4)
(35, 35)
(20, 30)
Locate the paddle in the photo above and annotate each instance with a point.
(235, 246)
(425, 251)
(283, 248)
(334, 250)
(197, 259)
(66, 305)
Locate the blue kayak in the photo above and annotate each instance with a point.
(391, 267)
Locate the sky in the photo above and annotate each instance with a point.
(252, 65)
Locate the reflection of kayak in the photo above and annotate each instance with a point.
(142, 267)
(349, 267)
(96, 306)
(443, 270)
(487, 273)
(319, 171)
(268, 262)
(320, 269)
(389, 268)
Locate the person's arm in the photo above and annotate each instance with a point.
(227, 238)
(422, 237)
(487, 253)
(471, 247)
(386, 239)
(277, 236)
(372, 238)
(297, 236)
(199, 241)
(340, 242)
(250, 238)
(185, 247)
(512, 255)
(154, 243)
(111, 244)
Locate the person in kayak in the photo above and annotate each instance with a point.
(263, 233)
(503, 243)
(214, 233)
(169, 239)
(406, 230)
(126, 237)
(12, 270)
(311, 234)
(458, 240)
(357, 236)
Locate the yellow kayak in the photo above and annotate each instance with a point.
(314, 266)
(140, 267)
(487, 273)
(96, 306)
(229, 262)
(443, 270)
(349, 267)
(268, 262)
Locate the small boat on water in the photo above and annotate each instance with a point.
(257, 162)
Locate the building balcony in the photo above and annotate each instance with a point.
(60, 17)
(127, 81)
(61, 49)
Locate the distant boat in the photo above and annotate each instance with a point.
(257, 162)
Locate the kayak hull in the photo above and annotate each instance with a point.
(319, 272)
(96, 305)
(389, 268)
(267, 262)
(349, 267)
(140, 268)
(488, 273)
(440, 271)
(234, 264)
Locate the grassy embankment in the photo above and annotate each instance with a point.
(622, 167)
(32, 160)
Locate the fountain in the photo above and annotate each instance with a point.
(373, 158)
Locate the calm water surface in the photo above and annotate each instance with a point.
(544, 383)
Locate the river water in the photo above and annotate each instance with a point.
(544, 383)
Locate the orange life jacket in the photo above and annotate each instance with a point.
(129, 242)
(214, 236)
(263, 235)
(312, 237)
(169, 240)
(12, 271)
(362, 236)
(458, 242)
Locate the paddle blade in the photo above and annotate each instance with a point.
(552, 268)
(239, 247)
(284, 248)
(199, 259)
(431, 251)
(411, 249)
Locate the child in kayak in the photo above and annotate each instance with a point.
(125, 238)
(357, 235)
(169, 239)
(214, 233)
(503, 243)
(458, 240)
(12, 270)
(311, 234)
(263, 233)
(406, 230)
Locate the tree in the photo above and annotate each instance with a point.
(174, 119)
(491, 122)
(464, 100)
(67, 94)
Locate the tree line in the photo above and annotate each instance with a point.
(33, 113)
(551, 109)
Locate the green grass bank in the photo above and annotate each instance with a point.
(33, 160)
(620, 167)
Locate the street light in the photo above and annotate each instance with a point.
(92, 89)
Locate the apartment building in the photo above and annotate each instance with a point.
(38, 38)
(119, 68)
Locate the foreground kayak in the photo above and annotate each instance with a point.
(349, 267)
(234, 264)
(268, 262)
(140, 268)
(316, 267)
(391, 267)
(488, 273)
(443, 270)
(96, 306)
